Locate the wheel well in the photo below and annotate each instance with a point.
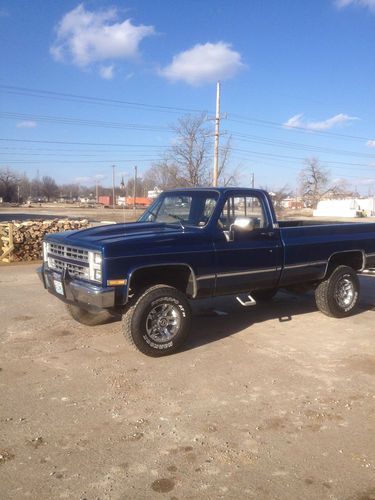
(352, 259)
(178, 276)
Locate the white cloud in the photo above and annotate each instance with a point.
(370, 4)
(26, 124)
(107, 72)
(85, 37)
(370, 144)
(204, 63)
(297, 121)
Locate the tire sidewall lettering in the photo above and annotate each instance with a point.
(157, 346)
(169, 300)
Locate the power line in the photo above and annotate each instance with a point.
(87, 123)
(272, 124)
(72, 162)
(233, 117)
(96, 151)
(34, 141)
(299, 158)
(30, 92)
(295, 145)
(78, 153)
(296, 168)
(69, 155)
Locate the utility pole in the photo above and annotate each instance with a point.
(252, 180)
(217, 134)
(135, 185)
(97, 190)
(113, 186)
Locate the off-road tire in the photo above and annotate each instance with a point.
(88, 318)
(136, 319)
(328, 291)
(265, 294)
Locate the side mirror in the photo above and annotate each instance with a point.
(243, 224)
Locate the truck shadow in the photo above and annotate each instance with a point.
(224, 316)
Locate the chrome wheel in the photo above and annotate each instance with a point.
(344, 292)
(163, 322)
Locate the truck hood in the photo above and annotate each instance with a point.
(114, 239)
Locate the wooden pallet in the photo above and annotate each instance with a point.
(6, 254)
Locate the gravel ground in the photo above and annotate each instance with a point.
(273, 402)
(71, 211)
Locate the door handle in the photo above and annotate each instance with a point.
(269, 234)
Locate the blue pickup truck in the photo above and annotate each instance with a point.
(199, 243)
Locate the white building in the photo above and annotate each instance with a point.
(350, 207)
(154, 193)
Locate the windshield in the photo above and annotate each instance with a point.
(193, 209)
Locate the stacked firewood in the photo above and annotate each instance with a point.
(22, 241)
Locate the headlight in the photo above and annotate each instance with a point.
(95, 266)
(45, 251)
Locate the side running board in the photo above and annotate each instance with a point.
(249, 301)
(370, 271)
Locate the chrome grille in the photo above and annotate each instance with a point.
(76, 270)
(58, 255)
(68, 252)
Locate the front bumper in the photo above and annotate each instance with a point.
(85, 295)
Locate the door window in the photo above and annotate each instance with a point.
(242, 206)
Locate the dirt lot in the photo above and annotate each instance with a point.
(58, 210)
(273, 402)
(120, 215)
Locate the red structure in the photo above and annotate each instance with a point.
(105, 200)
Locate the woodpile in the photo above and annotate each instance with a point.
(22, 240)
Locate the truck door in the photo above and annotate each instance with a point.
(246, 260)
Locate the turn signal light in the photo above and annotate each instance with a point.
(116, 282)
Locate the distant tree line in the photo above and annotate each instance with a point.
(20, 188)
(313, 185)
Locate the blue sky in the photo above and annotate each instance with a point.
(297, 81)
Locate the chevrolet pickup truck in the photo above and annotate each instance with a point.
(195, 243)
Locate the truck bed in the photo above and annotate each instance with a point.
(309, 246)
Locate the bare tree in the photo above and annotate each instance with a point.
(190, 150)
(24, 188)
(139, 189)
(8, 184)
(314, 182)
(226, 177)
(49, 187)
(341, 190)
(280, 194)
(163, 175)
(71, 191)
(188, 162)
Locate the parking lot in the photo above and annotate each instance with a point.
(272, 402)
